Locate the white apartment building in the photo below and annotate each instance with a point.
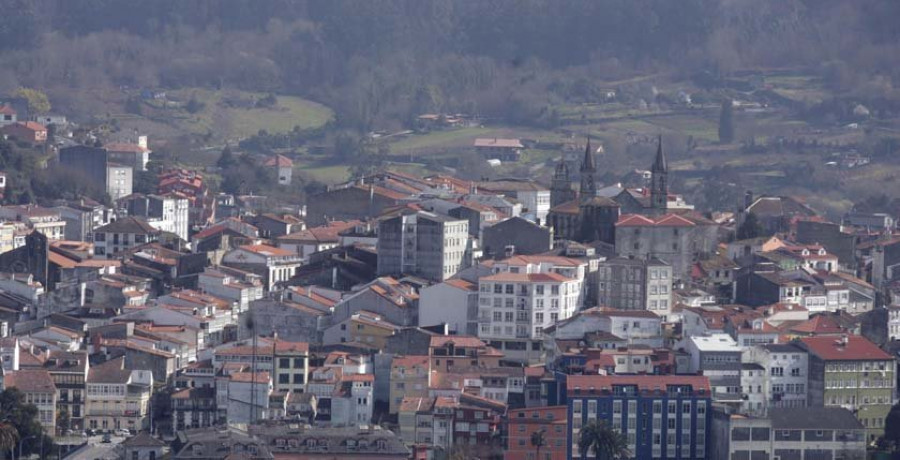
(787, 375)
(514, 309)
(46, 221)
(234, 285)
(167, 213)
(893, 322)
(424, 244)
(275, 265)
(119, 180)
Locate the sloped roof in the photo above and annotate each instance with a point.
(280, 161)
(666, 220)
(498, 142)
(832, 349)
(266, 250)
(112, 371)
(128, 225)
(30, 380)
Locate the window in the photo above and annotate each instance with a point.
(284, 362)
(284, 378)
(298, 379)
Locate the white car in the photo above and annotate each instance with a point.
(123, 432)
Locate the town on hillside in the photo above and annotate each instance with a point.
(449, 230)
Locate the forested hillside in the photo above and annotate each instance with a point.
(379, 63)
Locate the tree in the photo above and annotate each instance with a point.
(750, 228)
(226, 159)
(37, 100)
(24, 419)
(63, 420)
(9, 436)
(538, 441)
(605, 442)
(193, 106)
(892, 427)
(726, 122)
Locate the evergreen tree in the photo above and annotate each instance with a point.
(892, 427)
(226, 159)
(751, 228)
(726, 122)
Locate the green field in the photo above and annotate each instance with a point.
(438, 139)
(237, 122)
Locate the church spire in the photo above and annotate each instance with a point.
(588, 163)
(588, 181)
(660, 164)
(659, 186)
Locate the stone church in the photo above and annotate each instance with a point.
(585, 216)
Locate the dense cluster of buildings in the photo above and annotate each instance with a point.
(405, 317)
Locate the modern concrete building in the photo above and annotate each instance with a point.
(789, 434)
(660, 416)
(94, 164)
(168, 213)
(786, 372)
(423, 244)
(853, 373)
(514, 309)
(718, 356)
(635, 284)
(454, 303)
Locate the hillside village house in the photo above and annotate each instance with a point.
(283, 167)
(499, 149)
(26, 131)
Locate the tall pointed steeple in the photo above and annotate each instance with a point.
(588, 187)
(660, 163)
(659, 185)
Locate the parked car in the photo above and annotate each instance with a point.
(106, 438)
(123, 432)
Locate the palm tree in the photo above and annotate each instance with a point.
(9, 435)
(538, 441)
(607, 443)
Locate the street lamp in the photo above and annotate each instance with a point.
(23, 440)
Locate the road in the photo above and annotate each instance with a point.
(96, 450)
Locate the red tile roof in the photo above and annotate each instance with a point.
(832, 348)
(32, 125)
(644, 382)
(250, 377)
(528, 277)
(465, 341)
(31, 381)
(819, 325)
(280, 161)
(266, 250)
(410, 361)
(462, 284)
(666, 220)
